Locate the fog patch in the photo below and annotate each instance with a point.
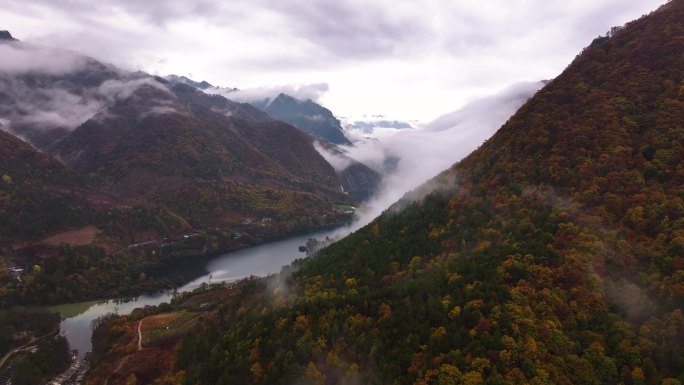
(630, 298)
(46, 107)
(372, 152)
(19, 58)
(40, 102)
(278, 289)
(57, 108)
(123, 89)
(338, 161)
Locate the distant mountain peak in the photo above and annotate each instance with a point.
(6, 36)
(307, 115)
(175, 79)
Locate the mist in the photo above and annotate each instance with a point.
(18, 58)
(423, 153)
(43, 89)
(123, 89)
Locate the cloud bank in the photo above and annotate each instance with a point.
(23, 58)
(425, 152)
(406, 59)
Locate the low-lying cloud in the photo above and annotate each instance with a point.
(123, 89)
(38, 89)
(55, 107)
(425, 152)
(337, 160)
(22, 58)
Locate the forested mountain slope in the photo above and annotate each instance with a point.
(37, 193)
(552, 254)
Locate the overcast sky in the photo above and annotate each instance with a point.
(407, 59)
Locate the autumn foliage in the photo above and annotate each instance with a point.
(553, 254)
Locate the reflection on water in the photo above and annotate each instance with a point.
(78, 317)
(258, 260)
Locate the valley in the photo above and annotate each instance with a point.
(164, 230)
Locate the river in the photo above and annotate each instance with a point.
(259, 260)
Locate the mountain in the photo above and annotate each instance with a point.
(306, 115)
(6, 36)
(174, 79)
(131, 171)
(552, 254)
(357, 180)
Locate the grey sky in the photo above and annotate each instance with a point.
(406, 59)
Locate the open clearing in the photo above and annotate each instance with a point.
(77, 237)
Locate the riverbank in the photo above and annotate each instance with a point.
(75, 374)
(74, 274)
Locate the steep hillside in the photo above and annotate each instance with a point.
(552, 254)
(37, 193)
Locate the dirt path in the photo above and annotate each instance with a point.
(140, 335)
(25, 346)
(17, 350)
